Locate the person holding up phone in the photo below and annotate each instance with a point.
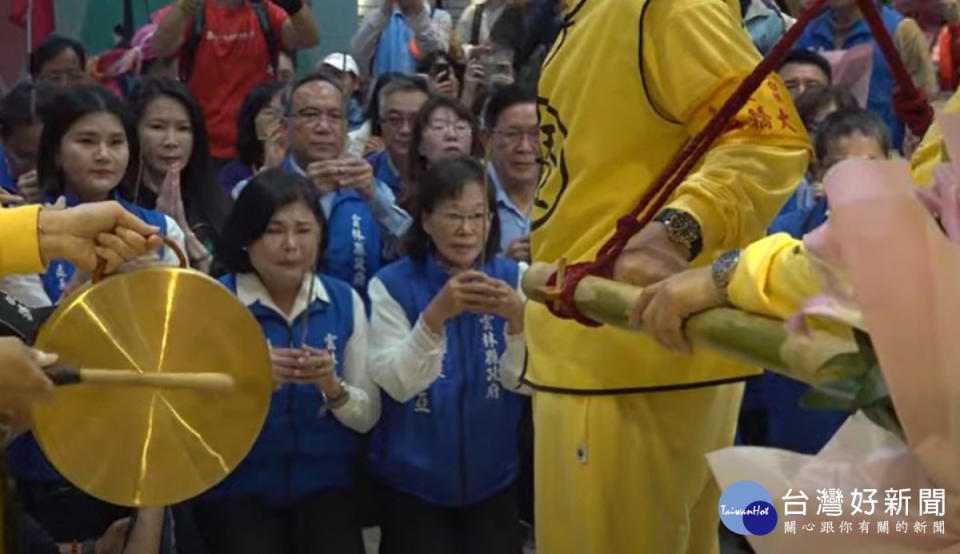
(392, 38)
(361, 210)
(489, 66)
(446, 347)
(442, 73)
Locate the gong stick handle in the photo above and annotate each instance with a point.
(204, 382)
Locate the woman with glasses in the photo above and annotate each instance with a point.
(443, 129)
(446, 348)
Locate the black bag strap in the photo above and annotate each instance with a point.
(189, 50)
(477, 21)
(273, 47)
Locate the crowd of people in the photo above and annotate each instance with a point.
(375, 215)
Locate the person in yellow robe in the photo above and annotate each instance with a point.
(622, 425)
(29, 238)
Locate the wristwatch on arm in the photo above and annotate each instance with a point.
(683, 230)
(723, 268)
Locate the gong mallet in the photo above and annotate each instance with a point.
(201, 382)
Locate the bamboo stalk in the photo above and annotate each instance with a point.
(750, 338)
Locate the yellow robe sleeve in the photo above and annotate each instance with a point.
(19, 245)
(773, 278)
(931, 150)
(753, 167)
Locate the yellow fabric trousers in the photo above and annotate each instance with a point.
(627, 474)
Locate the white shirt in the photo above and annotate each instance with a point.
(362, 409)
(406, 360)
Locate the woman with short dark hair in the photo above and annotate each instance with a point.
(293, 493)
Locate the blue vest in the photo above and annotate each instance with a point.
(24, 456)
(354, 245)
(455, 443)
(797, 221)
(59, 272)
(819, 36)
(7, 182)
(302, 448)
(383, 171)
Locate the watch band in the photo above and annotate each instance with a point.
(723, 268)
(683, 230)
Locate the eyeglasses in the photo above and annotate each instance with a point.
(459, 127)
(62, 77)
(515, 136)
(398, 121)
(453, 221)
(312, 117)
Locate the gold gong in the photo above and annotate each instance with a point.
(136, 446)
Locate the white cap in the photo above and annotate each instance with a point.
(342, 62)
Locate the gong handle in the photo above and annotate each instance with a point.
(203, 382)
(181, 257)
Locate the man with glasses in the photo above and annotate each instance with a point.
(512, 140)
(362, 215)
(400, 100)
(59, 61)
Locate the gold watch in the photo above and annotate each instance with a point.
(683, 230)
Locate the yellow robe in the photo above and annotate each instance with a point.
(19, 247)
(773, 278)
(609, 127)
(625, 85)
